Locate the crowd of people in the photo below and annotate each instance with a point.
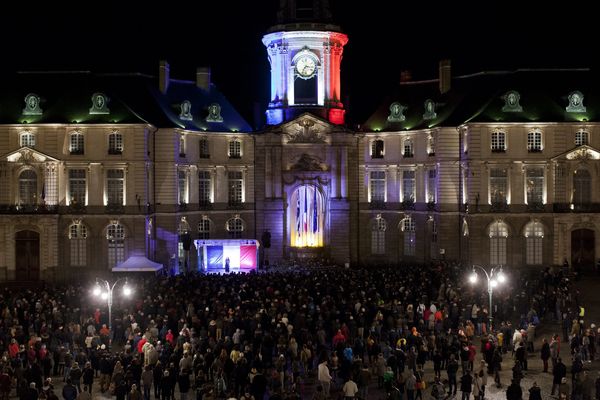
(274, 334)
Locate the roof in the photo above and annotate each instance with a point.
(544, 97)
(66, 97)
(138, 264)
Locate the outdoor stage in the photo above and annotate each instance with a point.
(227, 255)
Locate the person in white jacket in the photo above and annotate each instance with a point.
(350, 389)
(324, 377)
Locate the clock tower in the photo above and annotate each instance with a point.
(305, 52)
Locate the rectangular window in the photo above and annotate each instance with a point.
(408, 186)
(431, 186)
(409, 237)
(534, 141)
(27, 139)
(77, 187)
(235, 149)
(115, 143)
(182, 187)
(535, 185)
(76, 143)
(204, 188)
(581, 138)
(498, 250)
(204, 151)
(182, 146)
(377, 241)
(377, 186)
(534, 250)
(377, 149)
(77, 239)
(498, 186)
(115, 183)
(236, 183)
(433, 248)
(498, 142)
(408, 148)
(204, 229)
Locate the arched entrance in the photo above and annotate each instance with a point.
(27, 256)
(306, 217)
(583, 252)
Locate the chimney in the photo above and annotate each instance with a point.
(405, 76)
(203, 78)
(163, 76)
(445, 77)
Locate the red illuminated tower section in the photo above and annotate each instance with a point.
(305, 52)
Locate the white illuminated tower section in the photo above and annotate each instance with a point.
(305, 63)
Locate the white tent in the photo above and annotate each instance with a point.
(138, 264)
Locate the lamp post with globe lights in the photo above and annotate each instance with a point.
(494, 277)
(104, 290)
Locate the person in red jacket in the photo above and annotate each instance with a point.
(13, 349)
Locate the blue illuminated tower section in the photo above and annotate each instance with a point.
(305, 63)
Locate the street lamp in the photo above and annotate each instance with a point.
(104, 290)
(494, 278)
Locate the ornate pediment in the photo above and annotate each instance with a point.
(306, 129)
(27, 155)
(584, 152)
(307, 162)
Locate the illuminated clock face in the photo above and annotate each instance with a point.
(305, 66)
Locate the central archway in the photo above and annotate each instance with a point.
(27, 255)
(306, 217)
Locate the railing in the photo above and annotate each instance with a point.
(28, 209)
(377, 205)
(576, 208)
(408, 204)
(499, 206)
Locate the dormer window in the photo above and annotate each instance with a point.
(27, 139)
(377, 149)
(581, 138)
(76, 143)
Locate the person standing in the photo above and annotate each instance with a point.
(559, 372)
(514, 392)
(324, 377)
(466, 385)
(350, 389)
(535, 392)
(545, 354)
(452, 369)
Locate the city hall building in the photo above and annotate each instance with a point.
(493, 168)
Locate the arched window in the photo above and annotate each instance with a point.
(235, 149)
(27, 139)
(378, 227)
(76, 143)
(534, 236)
(204, 229)
(582, 190)
(408, 226)
(235, 227)
(28, 187)
(77, 240)
(115, 235)
(115, 143)
(498, 238)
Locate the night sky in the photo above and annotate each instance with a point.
(385, 38)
